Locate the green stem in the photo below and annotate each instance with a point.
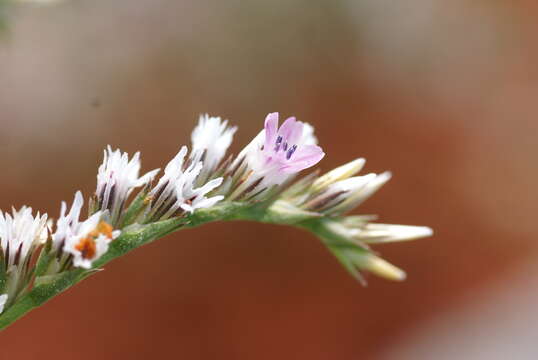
(49, 286)
(134, 236)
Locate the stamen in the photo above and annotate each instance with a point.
(291, 151)
(285, 146)
(103, 228)
(278, 142)
(87, 248)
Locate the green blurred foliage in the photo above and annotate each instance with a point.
(3, 15)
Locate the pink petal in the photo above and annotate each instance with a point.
(271, 128)
(306, 156)
(291, 131)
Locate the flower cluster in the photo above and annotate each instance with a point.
(260, 179)
(21, 234)
(339, 191)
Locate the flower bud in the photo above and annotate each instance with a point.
(384, 233)
(378, 266)
(340, 173)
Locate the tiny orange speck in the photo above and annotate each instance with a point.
(103, 228)
(87, 247)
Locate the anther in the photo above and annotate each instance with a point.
(291, 151)
(278, 142)
(87, 247)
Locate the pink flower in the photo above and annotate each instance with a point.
(290, 148)
(276, 155)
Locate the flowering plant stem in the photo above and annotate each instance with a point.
(40, 258)
(137, 235)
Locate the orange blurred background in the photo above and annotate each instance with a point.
(441, 93)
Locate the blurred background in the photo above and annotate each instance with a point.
(442, 93)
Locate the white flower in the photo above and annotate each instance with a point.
(86, 240)
(189, 199)
(116, 180)
(176, 192)
(89, 241)
(210, 139)
(20, 235)
(3, 300)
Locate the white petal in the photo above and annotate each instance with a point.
(146, 178)
(208, 202)
(213, 137)
(209, 186)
